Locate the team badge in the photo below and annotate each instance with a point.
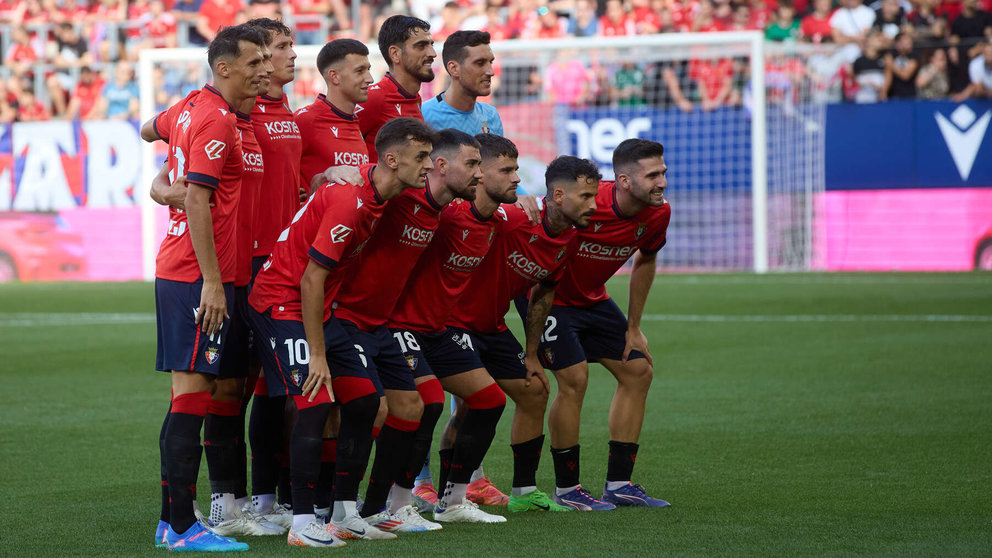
(492, 233)
(561, 254)
(641, 228)
(549, 355)
(212, 355)
(485, 127)
(297, 376)
(411, 361)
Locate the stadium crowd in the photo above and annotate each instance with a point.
(73, 59)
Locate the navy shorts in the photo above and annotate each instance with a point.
(285, 353)
(256, 266)
(575, 334)
(237, 347)
(381, 355)
(181, 344)
(457, 350)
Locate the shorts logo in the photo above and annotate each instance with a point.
(296, 376)
(520, 355)
(214, 149)
(212, 355)
(411, 361)
(339, 233)
(549, 355)
(641, 228)
(272, 341)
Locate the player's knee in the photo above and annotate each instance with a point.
(380, 416)
(407, 406)
(535, 398)
(638, 374)
(228, 389)
(572, 382)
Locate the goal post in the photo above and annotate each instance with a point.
(740, 119)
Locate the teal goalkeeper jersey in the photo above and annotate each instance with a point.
(483, 119)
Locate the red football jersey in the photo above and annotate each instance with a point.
(331, 137)
(331, 229)
(610, 240)
(460, 244)
(279, 137)
(522, 255)
(164, 120)
(251, 186)
(204, 145)
(386, 100)
(408, 226)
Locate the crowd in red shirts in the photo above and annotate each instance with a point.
(59, 56)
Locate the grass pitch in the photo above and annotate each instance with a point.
(790, 415)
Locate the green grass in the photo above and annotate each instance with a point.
(854, 433)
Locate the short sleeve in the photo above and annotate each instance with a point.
(657, 234)
(497, 127)
(209, 149)
(370, 113)
(162, 124)
(336, 234)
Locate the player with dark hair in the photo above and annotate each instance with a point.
(408, 49)
(525, 254)
(332, 139)
(309, 357)
(197, 267)
(281, 144)
(585, 324)
(366, 302)
(468, 59)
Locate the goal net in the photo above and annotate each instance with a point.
(742, 122)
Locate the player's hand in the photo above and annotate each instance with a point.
(213, 307)
(303, 195)
(532, 207)
(636, 341)
(343, 174)
(175, 196)
(536, 370)
(319, 376)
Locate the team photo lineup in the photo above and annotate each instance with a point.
(327, 275)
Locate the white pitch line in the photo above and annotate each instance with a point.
(45, 319)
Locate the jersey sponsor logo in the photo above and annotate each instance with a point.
(462, 263)
(253, 160)
(641, 227)
(597, 226)
(282, 127)
(604, 251)
(339, 233)
(350, 159)
(214, 149)
(524, 266)
(184, 120)
(416, 234)
(464, 234)
(399, 109)
(334, 130)
(533, 237)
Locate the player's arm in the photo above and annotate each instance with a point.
(541, 298)
(163, 193)
(213, 303)
(340, 174)
(148, 131)
(641, 277)
(312, 303)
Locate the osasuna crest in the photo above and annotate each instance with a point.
(641, 227)
(485, 127)
(212, 355)
(492, 233)
(339, 233)
(297, 376)
(411, 361)
(549, 354)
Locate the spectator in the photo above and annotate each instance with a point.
(932, 81)
(714, 79)
(215, 14)
(902, 65)
(547, 25)
(784, 27)
(270, 9)
(31, 14)
(7, 112)
(723, 13)
(584, 22)
(84, 99)
(134, 31)
(602, 93)
(188, 13)
(566, 80)
(815, 27)
(742, 18)
(980, 72)
(869, 72)
(705, 20)
(22, 52)
(628, 83)
(29, 108)
(70, 49)
(664, 85)
(646, 19)
(498, 31)
(973, 23)
(120, 96)
(851, 24)
(615, 22)
(308, 16)
(890, 20)
(159, 26)
(761, 14)
(451, 20)
(926, 24)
